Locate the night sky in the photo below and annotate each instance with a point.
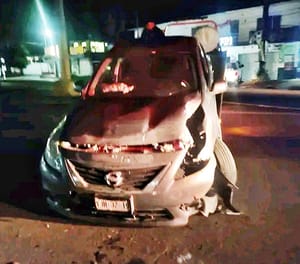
(165, 10)
(21, 19)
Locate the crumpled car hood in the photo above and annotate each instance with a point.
(130, 121)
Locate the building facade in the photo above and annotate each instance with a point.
(241, 32)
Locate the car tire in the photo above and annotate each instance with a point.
(225, 178)
(225, 161)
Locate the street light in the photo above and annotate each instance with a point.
(47, 32)
(47, 35)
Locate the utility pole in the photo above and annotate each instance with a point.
(65, 86)
(262, 73)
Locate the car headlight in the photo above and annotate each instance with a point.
(52, 153)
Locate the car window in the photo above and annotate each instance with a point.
(162, 66)
(107, 76)
(145, 72)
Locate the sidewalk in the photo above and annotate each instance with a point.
(31, 78)
(28, 81)
(47, 83)
(292, 84)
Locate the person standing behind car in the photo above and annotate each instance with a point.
(3, 68)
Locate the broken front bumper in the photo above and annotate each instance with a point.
(168, 202)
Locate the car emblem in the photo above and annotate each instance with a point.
(114, 178)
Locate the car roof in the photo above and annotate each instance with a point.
(172, 43)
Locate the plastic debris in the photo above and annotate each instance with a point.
(184, 258)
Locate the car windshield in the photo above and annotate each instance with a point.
(144, 72)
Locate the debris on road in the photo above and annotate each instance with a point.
(184, 258)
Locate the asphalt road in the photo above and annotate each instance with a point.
(265, 142)
(282, 98)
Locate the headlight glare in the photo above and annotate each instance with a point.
(52, 153)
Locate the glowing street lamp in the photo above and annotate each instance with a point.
(47, 35)
(47, 32)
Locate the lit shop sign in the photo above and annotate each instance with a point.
(97, 46)
(226, 41)
(81, 47)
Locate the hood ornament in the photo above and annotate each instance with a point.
(114, 179)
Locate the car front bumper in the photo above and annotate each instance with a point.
(168, 204)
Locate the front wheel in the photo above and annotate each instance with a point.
(225, 161)
(225, 176)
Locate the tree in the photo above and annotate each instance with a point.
(112, 22)
(16, 56)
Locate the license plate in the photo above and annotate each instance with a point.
(114, 205)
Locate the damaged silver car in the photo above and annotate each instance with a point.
(143, 146)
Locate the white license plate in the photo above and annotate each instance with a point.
(113, 205)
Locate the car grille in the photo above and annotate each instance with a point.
(135, 179)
